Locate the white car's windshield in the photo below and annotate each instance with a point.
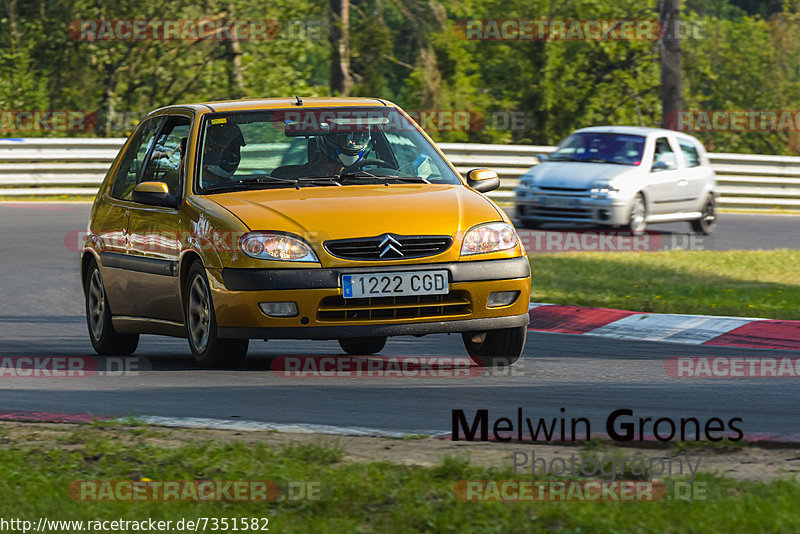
(315, 147)
(596, 147)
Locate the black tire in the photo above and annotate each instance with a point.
(105, 340)
(201, 325)
(637, 215)
(707, 223)
(495, 348)
(362, 346)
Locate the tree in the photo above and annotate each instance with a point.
(341, 80)
(671, 79)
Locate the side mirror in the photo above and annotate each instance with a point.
(543, 157)
(659, 166)
(483, 180)
(154, 194)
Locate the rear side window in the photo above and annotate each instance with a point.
(689, 153)
(134, 159)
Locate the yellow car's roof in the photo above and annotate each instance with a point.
(277, 103)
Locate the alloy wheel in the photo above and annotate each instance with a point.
(199, 315)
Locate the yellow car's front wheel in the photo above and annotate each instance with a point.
(362, 346)
(201, 325)
(495, 348)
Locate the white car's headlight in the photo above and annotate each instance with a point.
(490, 237)
(603, 188)
(274, 246)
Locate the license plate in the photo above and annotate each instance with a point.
(556, 202)
(395, 284)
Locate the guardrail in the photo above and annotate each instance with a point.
(45, 167)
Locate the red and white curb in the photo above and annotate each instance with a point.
(691, 329)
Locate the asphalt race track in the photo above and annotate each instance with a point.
(42, 315)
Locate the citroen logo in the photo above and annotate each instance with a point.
(390, 246)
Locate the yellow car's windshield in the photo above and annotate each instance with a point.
(315, 146)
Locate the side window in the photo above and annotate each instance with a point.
(689, 153)
(166, 159)
(665, 155)
(133, 160)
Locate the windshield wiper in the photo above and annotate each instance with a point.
(565, 158)
(601, 160)
(384, 177)
(249, 181)
(267, 180)
(357, 174)
(587, 160)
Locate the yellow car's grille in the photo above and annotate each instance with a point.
(367, 309)
(389, 247)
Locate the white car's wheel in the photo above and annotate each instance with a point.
(708, 221)
(637, 216)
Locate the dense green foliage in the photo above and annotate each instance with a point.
(738, 55)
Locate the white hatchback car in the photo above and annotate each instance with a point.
(621, 176)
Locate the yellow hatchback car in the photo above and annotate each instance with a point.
(316, 218)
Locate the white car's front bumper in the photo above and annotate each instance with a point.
(575, 207)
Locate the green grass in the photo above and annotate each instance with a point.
(742, 283)
(361, 497)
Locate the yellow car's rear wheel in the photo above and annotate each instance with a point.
(105, 340)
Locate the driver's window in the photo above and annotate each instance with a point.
(664, 158)
(166, 159)
(134, 159)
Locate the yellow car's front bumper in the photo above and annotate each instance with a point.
(324, 314)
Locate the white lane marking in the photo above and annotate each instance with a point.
(691, 329)
(245, 425)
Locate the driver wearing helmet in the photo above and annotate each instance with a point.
(221, 153)
(328, 155)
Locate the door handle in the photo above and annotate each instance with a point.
(683, 182)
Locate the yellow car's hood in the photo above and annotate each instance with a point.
(319, 214)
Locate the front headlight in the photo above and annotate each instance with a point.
(273, 246)
(526, 180)
(603, 188)
(491, 237)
